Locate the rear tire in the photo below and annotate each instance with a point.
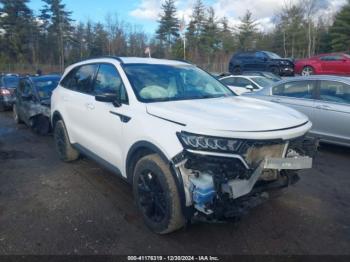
(64, 148)
(157, 196)
(41, 125)
(308, 71)
(2, 107)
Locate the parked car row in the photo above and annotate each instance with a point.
(186, 142)
(324, 64)
(189, 146)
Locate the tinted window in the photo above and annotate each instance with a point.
(298, 89)
(242, 82)
(108, 81)
(260, 55)
(80, 79)
(335, 92)
(229, 81)
(331, 58)
(273, 55)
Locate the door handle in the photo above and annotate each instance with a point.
(323, 107)
(90, 106)
(65, 99)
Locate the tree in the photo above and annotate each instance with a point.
(168, 30)
(291, 31)
(19, 29)
(340, 31)
(210, 35)
(247, 32)
(195, 30)
(59, 27)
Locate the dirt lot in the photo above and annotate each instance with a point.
(48, 207)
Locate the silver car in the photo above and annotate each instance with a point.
(324, 99)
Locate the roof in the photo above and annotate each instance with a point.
(134, 60)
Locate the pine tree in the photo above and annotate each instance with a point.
(195, 30)
(19, 28)
(247, 32)
(340, 31)
(59, 27)
(210, 35)
(168, 30)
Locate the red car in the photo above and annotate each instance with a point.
(326, 64)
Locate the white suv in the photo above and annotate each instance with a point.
(187, 144)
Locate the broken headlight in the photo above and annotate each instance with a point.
(208, 143)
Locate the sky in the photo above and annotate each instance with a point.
(145, 13)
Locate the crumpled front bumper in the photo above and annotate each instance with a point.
(238, 187)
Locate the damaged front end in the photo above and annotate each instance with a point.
(224, 177)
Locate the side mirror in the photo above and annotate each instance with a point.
(109, 98)
(250, 88)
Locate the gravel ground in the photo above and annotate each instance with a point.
(51, 208)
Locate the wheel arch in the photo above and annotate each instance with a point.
(56, 116)
(143, 148)
(139, 150)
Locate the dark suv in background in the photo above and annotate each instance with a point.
(8, 84)
(261, 61)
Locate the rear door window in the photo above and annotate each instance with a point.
(337, 92)
(81, 79)
(297, 89)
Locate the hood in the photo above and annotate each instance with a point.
(239, 114)
(284, 60)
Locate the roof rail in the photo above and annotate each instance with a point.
(99, 57)
(183, 60)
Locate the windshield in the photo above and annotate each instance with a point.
(46, 86)
(11, 82)
(273, 55)
(156, 83)
(263, 81)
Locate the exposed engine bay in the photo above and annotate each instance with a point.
(217, 184)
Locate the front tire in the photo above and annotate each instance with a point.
(64, 148)
(157, 196)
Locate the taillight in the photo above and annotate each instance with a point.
(5, 92)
